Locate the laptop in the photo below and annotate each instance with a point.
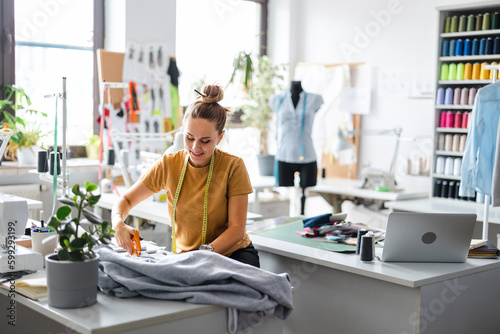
(428, 237)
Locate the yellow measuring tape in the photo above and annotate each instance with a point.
(205, 201)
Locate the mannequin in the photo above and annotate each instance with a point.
(295, 114)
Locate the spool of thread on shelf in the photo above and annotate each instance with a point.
(448, 166)
(475, 47)
(440, 96)
(444, 72)
(42, 163)
(472, 95)
(455, 146)
(479, 22)
(440, 142)
(492, 72)
(457, 166)
(459, 48)
(463, 140)
(467, 47)
(464, 99)
(489, 46)
(457, 189)
(458, 120)
(448, 99)
(438, 188)
(445, 49)
(451, 189)
(453, 47)
(450, 119)
(448, 142)
(367, 252)
(486, 21)
(456, 95)
(462, 23)
(476, 71)
(445, 189)
(495, 21)
(468, 71)
(471, 22)
(465, 117)
(485, 74)
(442, 119)
(454, 24)
(440, 165)
(482, 46)
(460, 71)
(496, 45)
(361, 233)
(452, 71)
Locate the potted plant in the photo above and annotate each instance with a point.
(268, 80)
(72, 271)
(27, 131)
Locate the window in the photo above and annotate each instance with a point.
(55, 39)
(209, 36)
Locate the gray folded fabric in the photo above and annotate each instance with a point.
(199, 277)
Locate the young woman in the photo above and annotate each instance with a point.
(207, 189)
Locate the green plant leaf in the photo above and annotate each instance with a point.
(63, 212)
(77, 243)
(92, 217)
(90, 186)
(68, 228)
(66, 200)
(94, 199)
(54, 223)
(76, 255)
(76, 190)
(63, 255)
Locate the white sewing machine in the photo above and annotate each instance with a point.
(13, 220)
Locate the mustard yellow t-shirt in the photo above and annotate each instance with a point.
(229, 178)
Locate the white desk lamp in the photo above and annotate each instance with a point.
(374, 178)
(13, 220)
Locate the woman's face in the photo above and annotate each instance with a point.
(200, 140)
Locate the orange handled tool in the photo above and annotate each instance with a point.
(136, 244)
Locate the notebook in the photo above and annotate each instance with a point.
(428, 237)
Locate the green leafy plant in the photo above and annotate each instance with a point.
(26, 132)
(243, 65)
(79, 246)
(268, 80)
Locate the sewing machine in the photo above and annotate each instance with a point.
(13, 220)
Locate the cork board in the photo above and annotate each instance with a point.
(110, 69)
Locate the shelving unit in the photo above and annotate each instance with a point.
(444, 13)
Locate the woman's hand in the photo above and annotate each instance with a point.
(123, 235)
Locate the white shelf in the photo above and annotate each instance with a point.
(46, 177)
(464, 82)
(471, 33)
(454, 106)
(466, 58)
(450, 153)
(452, 130)
(445, 176)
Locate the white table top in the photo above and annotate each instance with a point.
(350, 187)
(116, 315)
(446, 205)
(148, 209)
(407, 274)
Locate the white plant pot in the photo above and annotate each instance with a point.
(27, 156)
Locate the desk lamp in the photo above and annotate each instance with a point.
(13, 220)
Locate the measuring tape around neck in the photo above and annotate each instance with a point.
(205, 201)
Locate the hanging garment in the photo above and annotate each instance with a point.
(495, 191)
(199, 277)
(479, 154)
(294, 126)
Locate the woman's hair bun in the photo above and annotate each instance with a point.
(212, 94)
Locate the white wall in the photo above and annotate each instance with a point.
(151, 21)
(400, 45)
(115, 25)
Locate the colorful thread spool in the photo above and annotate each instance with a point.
(472, 95)
(467, 47)
(460, 71)
(447, 25)
(476, 71)
(471, 22)
(454, 24)
(464, 97)
(475, 47)
(485, 74)
(452, 71)
(479, 22)
(444, 72)
(486, 21)
(440, 96)
(462, 23)
(468, 71)
(448, 98)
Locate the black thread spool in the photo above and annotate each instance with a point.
(58, 162)
(438, 188)
(367, 252)
(361, 233)
(445, 189)
(111, 156)
(451, 189)
(42, 163)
